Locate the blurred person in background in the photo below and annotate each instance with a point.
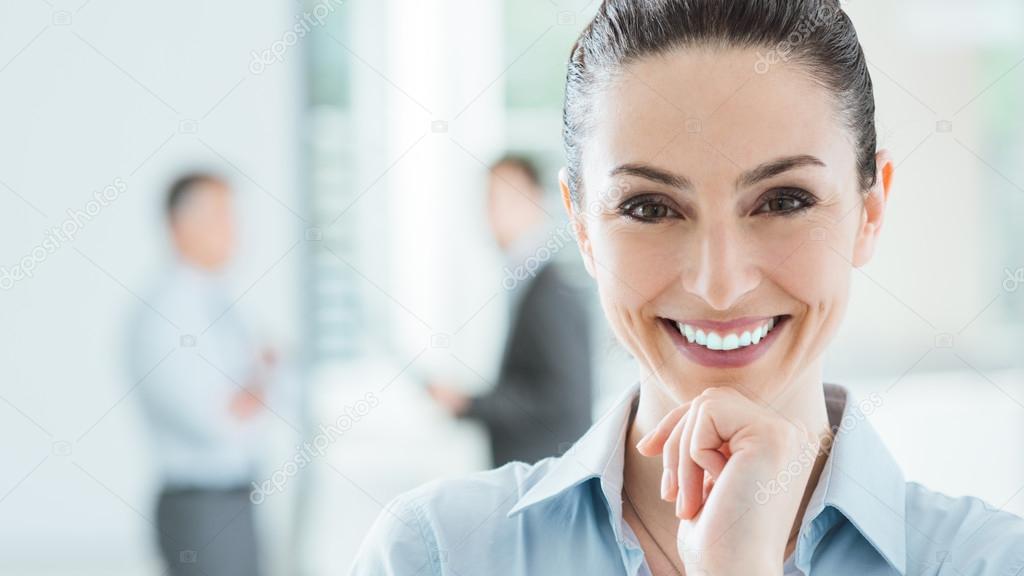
(542, 400)
(203, 401)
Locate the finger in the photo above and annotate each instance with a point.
(706, 444)
(670, 462)
(709, 483)
(689, 474)
(726, 451)
(652, 442)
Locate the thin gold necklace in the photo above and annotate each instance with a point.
(648, 530)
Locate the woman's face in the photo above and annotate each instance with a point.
(717, 200)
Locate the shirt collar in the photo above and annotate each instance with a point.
(860, 481)
(184, 271)
(598, 454)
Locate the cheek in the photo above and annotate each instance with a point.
(816, 273)
(632, 268)
(805, 260)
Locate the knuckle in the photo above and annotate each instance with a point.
(716, 391)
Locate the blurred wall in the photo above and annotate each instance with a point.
(938, 273)
(122, 93)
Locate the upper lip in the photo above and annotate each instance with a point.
(721, 326)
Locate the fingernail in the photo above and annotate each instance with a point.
(679, 507)
(666, 481)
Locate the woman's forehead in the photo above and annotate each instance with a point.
(715, 111)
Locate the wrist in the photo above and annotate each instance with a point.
(732, 564)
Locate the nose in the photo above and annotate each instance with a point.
(721, 268)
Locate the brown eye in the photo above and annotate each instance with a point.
(647, 210)
(787, 202)
(651, 211)
(783, 204)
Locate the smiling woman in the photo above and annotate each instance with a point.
(723, 181)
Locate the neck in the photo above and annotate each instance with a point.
(804, 402)
(198, 264)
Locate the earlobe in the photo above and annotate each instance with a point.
(576, 221)
(875, 203)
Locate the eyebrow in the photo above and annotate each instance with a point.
(747, 179)
(648, 172)
(776, 167)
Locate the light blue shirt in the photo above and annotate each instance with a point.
(563, 515)
(190, 354)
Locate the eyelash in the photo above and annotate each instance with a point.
(629, 206)
(806, 199)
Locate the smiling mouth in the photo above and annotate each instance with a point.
(725, 347)
(725, 340)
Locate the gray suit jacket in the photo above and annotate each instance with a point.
(541, 403)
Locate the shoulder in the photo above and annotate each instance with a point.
(162, 295)
(149, 333)
(488, 492)
(964, 535)
(420, 527)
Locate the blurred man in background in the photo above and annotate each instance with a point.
(542, 401)
(203, 401)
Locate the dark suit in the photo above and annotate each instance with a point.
(542, 401)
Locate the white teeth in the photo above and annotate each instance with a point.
(687, 331)
(714, 341)
(731, 341)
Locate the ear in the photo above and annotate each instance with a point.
(577, 221)
(873, 215)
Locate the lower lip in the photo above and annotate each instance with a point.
(725, 358)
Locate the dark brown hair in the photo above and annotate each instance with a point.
(183, 186)
(814, 33)
(520, 162)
